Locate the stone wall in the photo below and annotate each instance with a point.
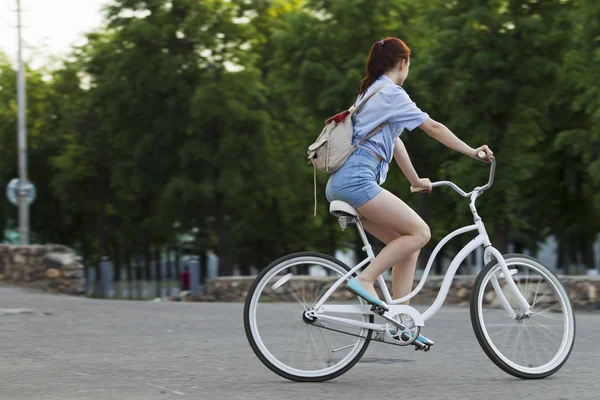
(582, 290)
(49, 267)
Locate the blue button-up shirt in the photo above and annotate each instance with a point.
(393, 106)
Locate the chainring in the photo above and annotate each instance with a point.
(402, 338)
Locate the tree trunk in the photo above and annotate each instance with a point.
(116, 262)
(518, 248)
(129, 272)
(560, 253)
(169, 271)
(147, 257)
(226, 262)
(439, 264)
(2, 228)
(587, 251)
(117, 269)
(178, 269)
(157, 271)
(332, 239)
(501, 237)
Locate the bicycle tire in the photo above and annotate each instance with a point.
(254, 345)
(487, 347)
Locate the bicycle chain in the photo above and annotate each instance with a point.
(359, 336)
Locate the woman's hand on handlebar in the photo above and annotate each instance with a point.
(423, 185)
(488, 154)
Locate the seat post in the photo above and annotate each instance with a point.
(367, 246)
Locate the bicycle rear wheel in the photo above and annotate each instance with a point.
(530, 345)
(283, 338)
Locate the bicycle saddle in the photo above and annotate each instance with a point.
(342, 209)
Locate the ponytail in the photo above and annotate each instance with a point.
(383, 56)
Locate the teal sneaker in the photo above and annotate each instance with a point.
(355, 287)
(424, 340)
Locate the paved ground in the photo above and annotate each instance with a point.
(73, 348)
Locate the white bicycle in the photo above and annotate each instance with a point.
(312, 329)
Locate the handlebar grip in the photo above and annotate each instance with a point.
(481, 154)
(415, 189)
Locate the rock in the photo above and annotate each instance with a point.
(591, 293)
(51, 263)
(42, 266)
(52, 273)
(197, 297)
(54, 284)
(57, 248)
(76, 273)
(72, 266)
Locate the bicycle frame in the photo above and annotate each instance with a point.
(419, 319)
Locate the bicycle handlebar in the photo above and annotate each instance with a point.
(459, 190)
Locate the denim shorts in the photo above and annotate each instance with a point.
(356, 181)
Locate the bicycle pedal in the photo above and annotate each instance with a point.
(421, 346)
(378, 310)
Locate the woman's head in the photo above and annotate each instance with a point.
(390, 55)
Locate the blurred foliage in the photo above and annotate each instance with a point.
(187, 119)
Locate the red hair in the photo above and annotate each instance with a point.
(383, 56)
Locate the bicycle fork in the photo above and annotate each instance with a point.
(487, 256)
(491, 251)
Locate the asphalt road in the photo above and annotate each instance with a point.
(76, 348)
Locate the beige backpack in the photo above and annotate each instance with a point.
(334, 144)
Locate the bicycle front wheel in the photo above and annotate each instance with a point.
(528, 345)
(278, 330)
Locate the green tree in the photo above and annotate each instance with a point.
(491, 76)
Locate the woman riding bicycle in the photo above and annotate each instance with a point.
(358, 181)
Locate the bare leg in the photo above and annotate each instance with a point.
(403, 276)
(388, 211)
(404, 271)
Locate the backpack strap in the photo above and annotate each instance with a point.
(354, 109)
(315, 168)
(374, 131)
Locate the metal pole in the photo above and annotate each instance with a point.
(194, 275)
(23, 206)
(106, 276)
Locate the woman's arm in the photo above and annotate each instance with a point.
(443, 135)
(403, 160)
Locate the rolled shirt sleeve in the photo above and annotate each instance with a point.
(401, 109)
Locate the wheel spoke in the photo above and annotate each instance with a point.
(315, 344)
(295, 295)
(295, 346)
(278, 331)
(547, 332)
(547, 309)
(527, 285)
(532, 344)
(536, 293)
(304, 296)
(322, 289)
(509, 336)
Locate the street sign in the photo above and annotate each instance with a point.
(12, 192)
